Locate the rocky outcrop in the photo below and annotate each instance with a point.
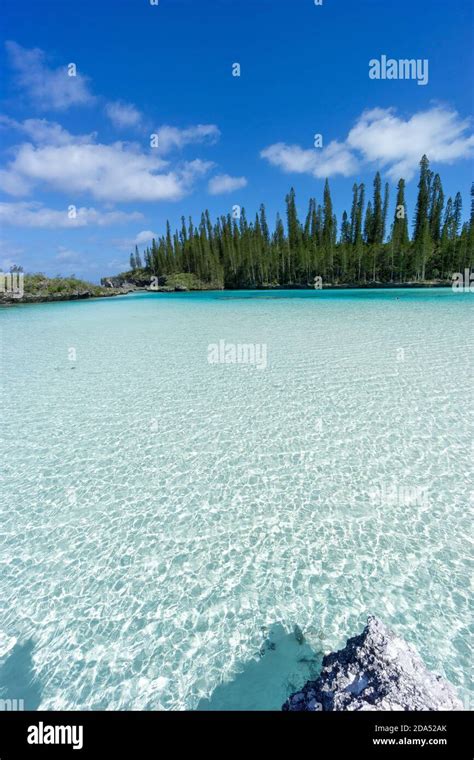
(376, 670)
(124, 283)
(158, 285)
(7, 299)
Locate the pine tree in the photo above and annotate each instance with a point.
(138, 261)
(369, 224)
(457, 215)
(386, 197)
(329, 229)
(345, 240)
(456, 228)
(294, 234)
(375, 233)
(368, 233)
(436, 208)
(422, 237)
(445, 243)
(265, 233)
(358, 243)
(236, 253)
(280, 248)
(422, 204)
(355, 193)
(425, 247)
(400, 238)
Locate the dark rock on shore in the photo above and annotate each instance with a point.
(174, 283)
(141, 283)
(376, 670)
(121, 282)
(7, 299)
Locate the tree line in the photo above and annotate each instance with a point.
(365, 247)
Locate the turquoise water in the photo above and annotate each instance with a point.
(166, 521)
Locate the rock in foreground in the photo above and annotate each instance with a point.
(375, 671)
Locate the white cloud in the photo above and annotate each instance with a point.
(48, 88)
(34, 214)
(173, 137)
(224, 183)
(191, 170)
(44, 132)
(13, 183)
(320, 162)
(145, 236)
(380, 137)
(118, 172)
(142, 238)
(123, 115)
(398, 144)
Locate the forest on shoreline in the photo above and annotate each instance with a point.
(364, 247)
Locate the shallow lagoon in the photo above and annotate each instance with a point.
(166, 521)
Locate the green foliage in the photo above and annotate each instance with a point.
(40, 285)
(245, 253)
(185, 280)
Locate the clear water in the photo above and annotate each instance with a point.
(166, 522)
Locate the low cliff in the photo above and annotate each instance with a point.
(19, 288)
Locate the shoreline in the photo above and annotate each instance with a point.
(33, 298)
(30, 299)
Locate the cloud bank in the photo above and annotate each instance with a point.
(224, 183)
(119, 172)
(46, 87)
(123, 115)
(382, 138)
(35, 214)
(174, 138)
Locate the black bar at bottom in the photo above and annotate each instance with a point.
(147, 734)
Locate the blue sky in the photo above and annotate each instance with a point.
(84, 141)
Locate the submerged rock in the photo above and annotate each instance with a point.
(298, 633)
(376, 670)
